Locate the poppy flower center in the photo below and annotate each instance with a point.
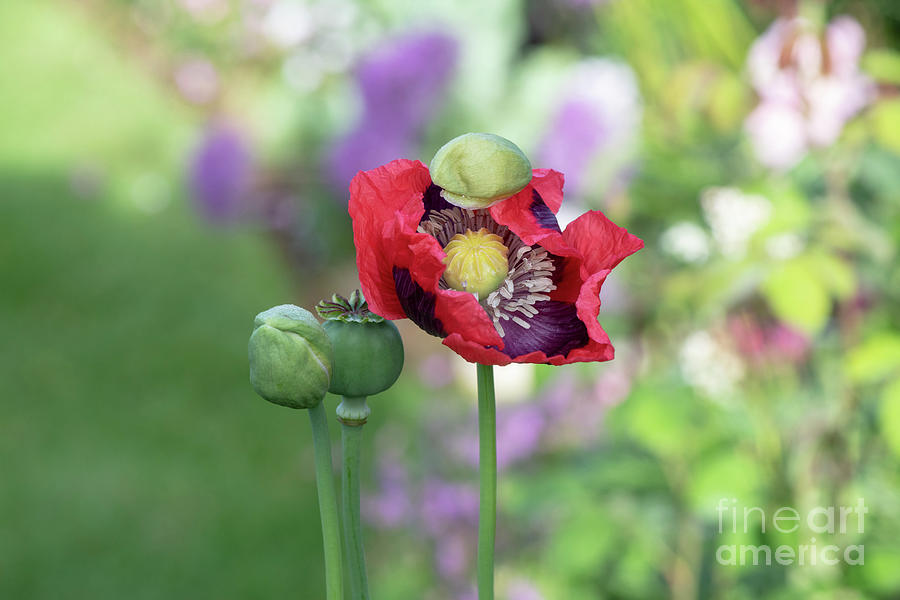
(528, 274)
(476, 262)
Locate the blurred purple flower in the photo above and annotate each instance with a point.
(391, 506)
(436, 370)
(576, 134)
(576, 414)
(402, 84)
(584, 3)
(447, 505)
(559, 395)
(519, 431)
(593, 133)
(452, 554)
(220, 174)
(809, 87)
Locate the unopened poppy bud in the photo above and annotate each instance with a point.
(290, 357)
(477, 170)
(368, 351)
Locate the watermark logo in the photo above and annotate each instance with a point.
(821, 520)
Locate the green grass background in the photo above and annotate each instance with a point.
(135, 461)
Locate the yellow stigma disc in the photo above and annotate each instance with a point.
(476, 262)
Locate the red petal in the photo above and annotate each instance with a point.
(592, 245)
(476, 353)
(594, 351)
(588, 305)
(386, 207)
(382, 205)
(599, 244)
(517, 214)
(602, 243)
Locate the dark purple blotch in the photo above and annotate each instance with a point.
(555, 330)
(417, 303)
(542, 213)
(433, 201)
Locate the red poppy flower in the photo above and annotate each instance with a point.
(544, 311)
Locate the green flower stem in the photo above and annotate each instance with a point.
(352, 413)
(334, 577)
(487, 466)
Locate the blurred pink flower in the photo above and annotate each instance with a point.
(788, 343)
(197, 80)
(763, 345)
(522, 589)
(809, 86)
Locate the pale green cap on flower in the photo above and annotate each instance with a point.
(477, 170)
(290, 357)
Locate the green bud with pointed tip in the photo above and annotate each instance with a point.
(368, 350)
(477, 170)
(290, 357)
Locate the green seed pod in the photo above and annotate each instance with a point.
(290, 357)
(368, 351)
(477, 170)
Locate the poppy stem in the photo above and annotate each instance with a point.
(352, 414)
(331, 537)
(487, 467)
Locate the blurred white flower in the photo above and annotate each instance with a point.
(709, 366)
(809, 86)
(302, 71)
(288, 23)
(777, 134)
(686, 241)
(513, 382)
(734, 217)
(206, 11)
(784, 246)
